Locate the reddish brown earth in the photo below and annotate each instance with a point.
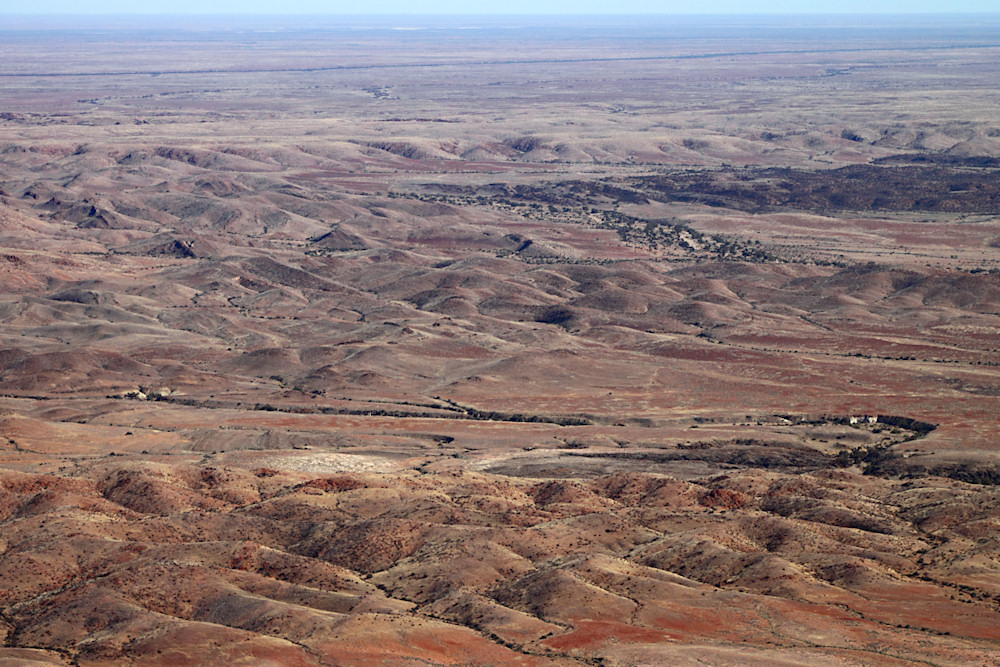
(541, 351)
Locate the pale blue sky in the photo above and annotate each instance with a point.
(494, 7)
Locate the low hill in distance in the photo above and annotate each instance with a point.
(338, 350)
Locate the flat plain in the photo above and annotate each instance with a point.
(561, 341)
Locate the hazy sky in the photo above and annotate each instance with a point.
(491, 7)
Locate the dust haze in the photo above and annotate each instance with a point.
(617, 342)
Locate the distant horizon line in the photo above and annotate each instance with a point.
(485, 14)
(230, 21)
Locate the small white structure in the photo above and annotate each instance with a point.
(147, 394)
(870, 419)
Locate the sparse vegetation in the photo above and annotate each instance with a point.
(361, 346)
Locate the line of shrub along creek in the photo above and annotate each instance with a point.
(446, 410)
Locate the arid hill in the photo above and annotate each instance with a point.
(320, 347)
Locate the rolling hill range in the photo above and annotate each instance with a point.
(353, 353)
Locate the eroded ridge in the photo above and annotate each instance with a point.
(322, 345)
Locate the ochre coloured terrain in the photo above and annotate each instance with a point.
(324, 346)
